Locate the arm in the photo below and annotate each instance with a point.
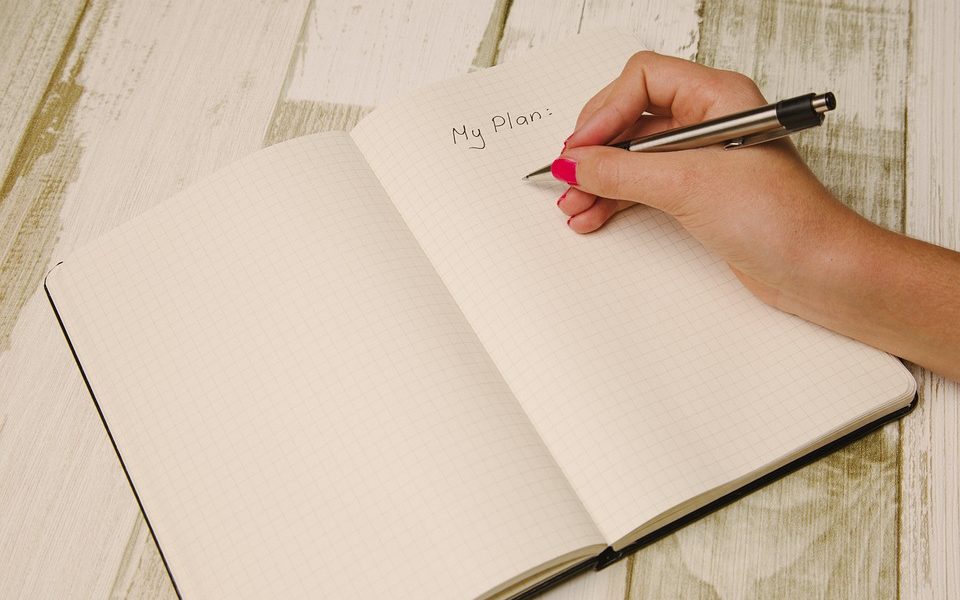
(787, 238)
(893, 292)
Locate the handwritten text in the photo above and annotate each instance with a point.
(473, 138)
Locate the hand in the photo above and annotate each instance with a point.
(760, 208)
(784, 235)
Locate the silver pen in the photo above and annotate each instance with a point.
(738, 130)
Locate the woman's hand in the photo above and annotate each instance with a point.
(786, 237)
(760, 208)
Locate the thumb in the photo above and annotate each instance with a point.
(658, 179)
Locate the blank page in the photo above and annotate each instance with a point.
(650, 372)
(302, 407)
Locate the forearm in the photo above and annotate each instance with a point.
(887, 290)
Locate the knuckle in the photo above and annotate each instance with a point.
(738, 80)
(744, 85)
(638, 59)
(735, 91)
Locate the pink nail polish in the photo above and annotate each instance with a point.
(565, 170)
(562, 196)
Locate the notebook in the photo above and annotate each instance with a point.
(378, 365)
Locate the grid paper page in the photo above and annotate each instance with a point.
(650, 372)
(300, 403)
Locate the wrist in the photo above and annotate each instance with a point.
(834, 276)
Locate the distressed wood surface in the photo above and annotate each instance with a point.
(828, 530)
(33, 34)
(140, 99)
(145, 98)
(930, 475)
(387, 47)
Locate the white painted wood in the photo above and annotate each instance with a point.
(165, 93)
(825, 531)
(150, 97)
(828, 530)
(33, 34)
(350, 58)
(362, 53)
(33, 37)
(855, 49)
(670, 27)
(930, 481)
(608, 584)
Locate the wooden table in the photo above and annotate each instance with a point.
(109, 106)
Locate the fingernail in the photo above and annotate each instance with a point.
(562, 196)
(568, 221)
(565, 170)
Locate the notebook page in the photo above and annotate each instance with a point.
(650, 372)
(301, 405)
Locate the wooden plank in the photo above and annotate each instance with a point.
(825, 531)
(829, 529)
(854, 49)
(351, 57)
(609, 584)
(664, 26)
(33, 34)
(33, 39)
(148, 97)
(930, 465)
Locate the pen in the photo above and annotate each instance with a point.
(738, 130)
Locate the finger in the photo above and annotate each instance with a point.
(575, 201)
(594, 217)
(667, 86)
(592, 105)
(648, 81)
(647, 125)
(659, 179)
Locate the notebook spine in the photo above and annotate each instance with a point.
(608, 556)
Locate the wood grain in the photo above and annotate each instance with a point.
(387, 48)
(149, 97)
(828, 530)
(33, 34)
(791, 48)
(664, 26)
(930, 468)
(37, 41)
(109, 106)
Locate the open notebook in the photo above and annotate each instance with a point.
(377, 365)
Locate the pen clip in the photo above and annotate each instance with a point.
(765, 136)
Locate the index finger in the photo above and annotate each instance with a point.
(663, 85)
